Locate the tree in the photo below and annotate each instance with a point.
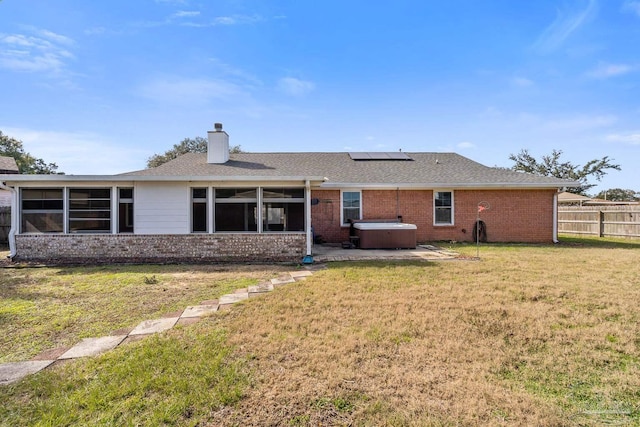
(619, 195)
(551, 165)
(187, 145)
(27, 164)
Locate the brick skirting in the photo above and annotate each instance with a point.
(108, 248)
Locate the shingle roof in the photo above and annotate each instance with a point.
(426, 169)
(8, 165)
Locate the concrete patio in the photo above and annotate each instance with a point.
(328, 253)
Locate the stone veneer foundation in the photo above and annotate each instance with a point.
(128, 248)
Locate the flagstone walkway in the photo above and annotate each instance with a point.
(15, 371)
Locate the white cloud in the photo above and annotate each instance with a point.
(55, 37)
(580, 123)
(236, 19)
(182, 18)
(630, 138)
(241, 75)
(295, 87)
(604, 71)
(186, 14)
(44, 51)
(631, 7)
(176, 90)
(93, 31)
(79, 153)
(521, 82)
(565, 24)
(466, 144)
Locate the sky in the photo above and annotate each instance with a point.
(98, 87)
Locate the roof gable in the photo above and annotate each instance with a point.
(8, 165)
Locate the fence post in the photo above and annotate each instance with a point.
(601, 223)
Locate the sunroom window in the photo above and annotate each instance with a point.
(283, 209)
(125, 210)
(42, 210)
(199, 210)
(89, 210)
(236, 209)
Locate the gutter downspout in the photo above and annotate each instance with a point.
(14, 219)
(555, 218)
(307, 202)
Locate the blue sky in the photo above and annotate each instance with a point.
(99, 86)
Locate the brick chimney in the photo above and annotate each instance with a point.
(218, 146)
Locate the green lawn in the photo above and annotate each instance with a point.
(45, 308)
(528, 335)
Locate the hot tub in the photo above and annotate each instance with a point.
(381, 235)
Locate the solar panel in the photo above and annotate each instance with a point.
(398, 155)
(379, 155)
(359, 156)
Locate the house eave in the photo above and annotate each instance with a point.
(49, 179)
(456, 185)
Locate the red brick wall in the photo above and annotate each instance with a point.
(325, 216)
(515, 215)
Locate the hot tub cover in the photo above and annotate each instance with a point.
(383, 226)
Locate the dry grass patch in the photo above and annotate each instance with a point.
(527, 336)
(45, 308)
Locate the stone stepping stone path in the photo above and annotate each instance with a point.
(92, 347)
(10, 372)
(15, 371)
(199, 311)
(154, 326)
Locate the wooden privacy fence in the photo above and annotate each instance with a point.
(5, 223)
(601, 221)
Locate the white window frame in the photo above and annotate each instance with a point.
(243, 200)
(443, 224)
(42, 211)
(78, 211)
(342, 219)
(199, 200)
(116, 209)
(267, 201)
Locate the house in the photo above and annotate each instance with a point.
(566, 199)
(7, 166)
(218, 206)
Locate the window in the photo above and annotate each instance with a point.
(236, 209)
(351, 206)
(125, 210)
(199, 210)
(89, 210)
(283, 209)
(443, 208)
(42, 210)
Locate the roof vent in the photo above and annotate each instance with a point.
(217, 127)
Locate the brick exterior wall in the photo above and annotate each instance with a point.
(515, 216)
(105, 248)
